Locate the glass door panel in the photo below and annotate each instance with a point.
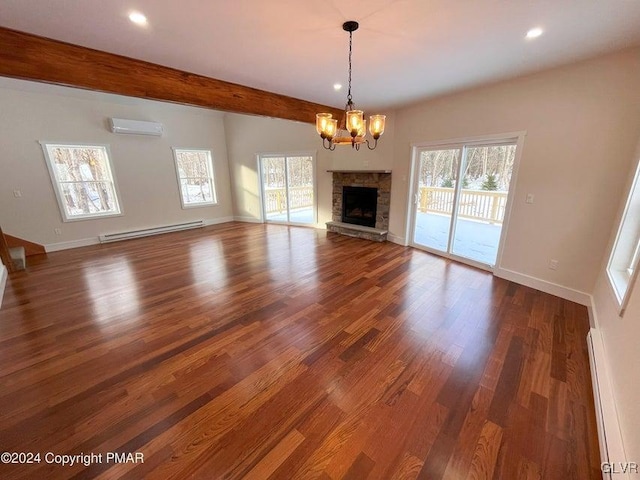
(274, 184)
(436, 187)
(300, 189)
(482, 200)
(460, 199)
(288, 189)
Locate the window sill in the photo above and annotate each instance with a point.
(91, 217)
(199, 205)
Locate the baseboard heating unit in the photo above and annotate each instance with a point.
(611, 447)
(146, 232)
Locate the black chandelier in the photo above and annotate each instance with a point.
(353, 127)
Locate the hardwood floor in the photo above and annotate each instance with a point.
(269, 352)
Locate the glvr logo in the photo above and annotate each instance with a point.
(619, 467)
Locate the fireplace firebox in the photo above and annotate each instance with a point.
(359, 205)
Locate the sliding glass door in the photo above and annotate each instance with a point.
(288, 188)
(460, 199)
(437, 176)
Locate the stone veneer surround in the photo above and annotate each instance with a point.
(376, 179)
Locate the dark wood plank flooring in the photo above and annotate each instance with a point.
(274, 352)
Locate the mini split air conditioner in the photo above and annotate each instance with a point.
(135, 127)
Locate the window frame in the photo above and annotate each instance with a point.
(57, 187)
(622, 278)
(212, 178)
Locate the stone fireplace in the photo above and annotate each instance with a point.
(361, 203)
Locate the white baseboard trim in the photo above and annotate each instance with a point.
(83, 242)
(216, 221)
(3, 281)
(612, 452)
(544, 286)
(247, 219)
(396, 239)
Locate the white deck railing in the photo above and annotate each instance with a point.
(488, 206)
(485, 205)
(276, 198)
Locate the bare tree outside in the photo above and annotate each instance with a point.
(438, 167)
(195, 172)
(84, 179)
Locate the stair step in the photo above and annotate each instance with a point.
(19, 257)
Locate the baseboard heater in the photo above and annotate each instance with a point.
(114, 237)
(609, 435)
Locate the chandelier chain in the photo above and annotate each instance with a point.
(349, 102)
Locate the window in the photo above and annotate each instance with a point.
(634, 259)
(83, 180)
(195, 177)
(623, 263)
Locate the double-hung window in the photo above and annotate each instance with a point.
(83, 180)
(194, 169)
(623, 263)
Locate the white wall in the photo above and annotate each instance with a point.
(620, 338)
(582, 123)
(144, 166)
(249, 135)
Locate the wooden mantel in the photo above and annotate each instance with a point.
(30, 57)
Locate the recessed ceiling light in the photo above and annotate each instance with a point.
(138, 18)
(534, 32)
(337, 86)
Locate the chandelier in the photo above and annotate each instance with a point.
(353, 127)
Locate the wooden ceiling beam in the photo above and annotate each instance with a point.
(31, 57)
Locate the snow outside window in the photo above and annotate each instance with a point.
(195, 177)
(83, 180)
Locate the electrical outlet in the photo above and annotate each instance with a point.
(17, 193)
(553, 264)
(530, 198)
(57, 231)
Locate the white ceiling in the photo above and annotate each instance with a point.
(405, 50)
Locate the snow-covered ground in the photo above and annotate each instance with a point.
(301, 215)
(475, 240)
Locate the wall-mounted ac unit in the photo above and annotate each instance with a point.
(135, 127)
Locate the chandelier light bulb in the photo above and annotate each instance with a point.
(376, 125)
(354, 121)
(331, 128)
(322, 119)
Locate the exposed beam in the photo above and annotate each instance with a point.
(31, 57)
